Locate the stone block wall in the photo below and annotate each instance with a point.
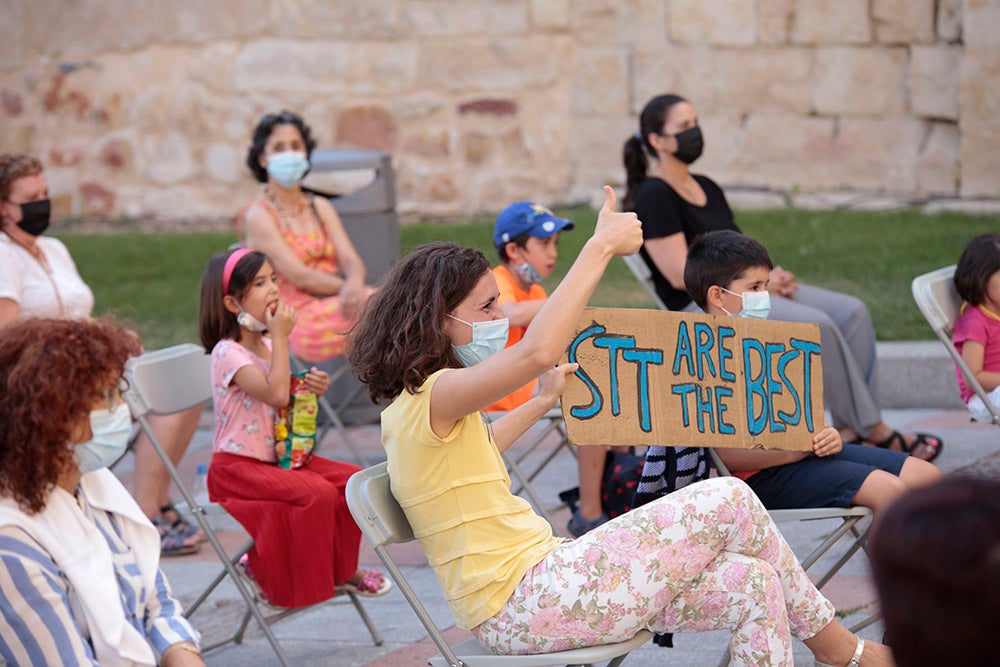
(145, 107)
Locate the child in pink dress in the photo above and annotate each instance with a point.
(976, 333)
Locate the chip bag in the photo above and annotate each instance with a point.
(295, 426)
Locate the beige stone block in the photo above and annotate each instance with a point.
(15, 50)
(601, 82)
(619, 22)
(722, 22)
(780, 151)
(550, 14)
(723, 134)
(949, 20)
(774, 21)
(766, 79)
(860, 81)
(75, 31)
(903, 21)
(422, 107)
(360, 68)
(691, 72)
(596, 154)
(980, 22)
(212, 64)
(189, 21)
(428, 143)
(980, 122)
(367, 126)
(311, 19)
(826, 22)
(877, 154)
(937, 163)
(435, 18)
(934, 79)
(224, 162)
(469, 65)
(168, 158)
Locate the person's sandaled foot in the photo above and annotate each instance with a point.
(243, 568)
(179, 524)
(367, 583)
(173, 543)
(923, 445)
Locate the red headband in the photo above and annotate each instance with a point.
(231, 263)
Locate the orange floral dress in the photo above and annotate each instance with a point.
(320, 328)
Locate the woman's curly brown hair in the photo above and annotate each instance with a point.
(400, 338)
(51, 374)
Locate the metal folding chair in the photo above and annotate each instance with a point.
(383, 523)
(939, 302)
(172, 380)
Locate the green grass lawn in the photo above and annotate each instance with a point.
(151, 280)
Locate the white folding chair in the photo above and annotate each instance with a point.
(637, 265)
(939, 302)
(172, 380)
(383, 523)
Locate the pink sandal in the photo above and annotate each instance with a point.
(370, 585)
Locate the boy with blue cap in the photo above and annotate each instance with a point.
(525, 236)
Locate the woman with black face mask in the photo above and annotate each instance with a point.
(676, 206)
(37, 275)
(38, 278)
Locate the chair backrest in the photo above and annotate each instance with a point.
(940, 304)
(937, 298)
(169, 380)
(637, 265)
(374, 508)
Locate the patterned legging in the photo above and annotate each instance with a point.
(702, 558)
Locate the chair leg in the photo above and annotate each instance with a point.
(363, 613)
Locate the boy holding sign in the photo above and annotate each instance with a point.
(727, 274)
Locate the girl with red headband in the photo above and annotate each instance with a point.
(305, 540)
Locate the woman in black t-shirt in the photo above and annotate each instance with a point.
(676, 206)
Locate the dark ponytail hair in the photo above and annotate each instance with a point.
(651, 120)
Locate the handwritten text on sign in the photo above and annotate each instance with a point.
(679, 379)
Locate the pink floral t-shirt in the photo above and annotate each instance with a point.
(984, 328)
(243, 424)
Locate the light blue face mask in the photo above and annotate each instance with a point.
(288, 167)
(488, 338)
(756, 305)
(529, 274)
(110, 431)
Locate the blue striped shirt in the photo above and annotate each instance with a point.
(42, 622)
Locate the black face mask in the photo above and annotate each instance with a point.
(35, 216)
(689, 145)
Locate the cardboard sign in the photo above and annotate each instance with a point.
(653, 377)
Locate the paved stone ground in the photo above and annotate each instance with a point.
(332, 634)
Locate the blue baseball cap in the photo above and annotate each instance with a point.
(527, 217)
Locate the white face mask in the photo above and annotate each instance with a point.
(249, 322)
(756, 305)
(110, 431)
(488, 338)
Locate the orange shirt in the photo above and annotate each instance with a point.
(511, 292)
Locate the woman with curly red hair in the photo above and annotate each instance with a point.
(73, 543)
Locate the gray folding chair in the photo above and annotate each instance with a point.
(383, 523)
(939, 302)
(637, 265)
(172, 380)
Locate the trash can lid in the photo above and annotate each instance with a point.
(342, 159)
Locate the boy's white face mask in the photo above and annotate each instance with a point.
(756, 305)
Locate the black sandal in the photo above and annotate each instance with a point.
(931, 442)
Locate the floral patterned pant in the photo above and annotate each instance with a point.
(702, 558)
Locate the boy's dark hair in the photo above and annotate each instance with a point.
(719, 258)
(979, 261)
(400, 340)
(521, 240)
(215, 322)
(263, 130)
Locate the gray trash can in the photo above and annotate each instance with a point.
(368, 213)
(370, 218)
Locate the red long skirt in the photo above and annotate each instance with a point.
(305, 539)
